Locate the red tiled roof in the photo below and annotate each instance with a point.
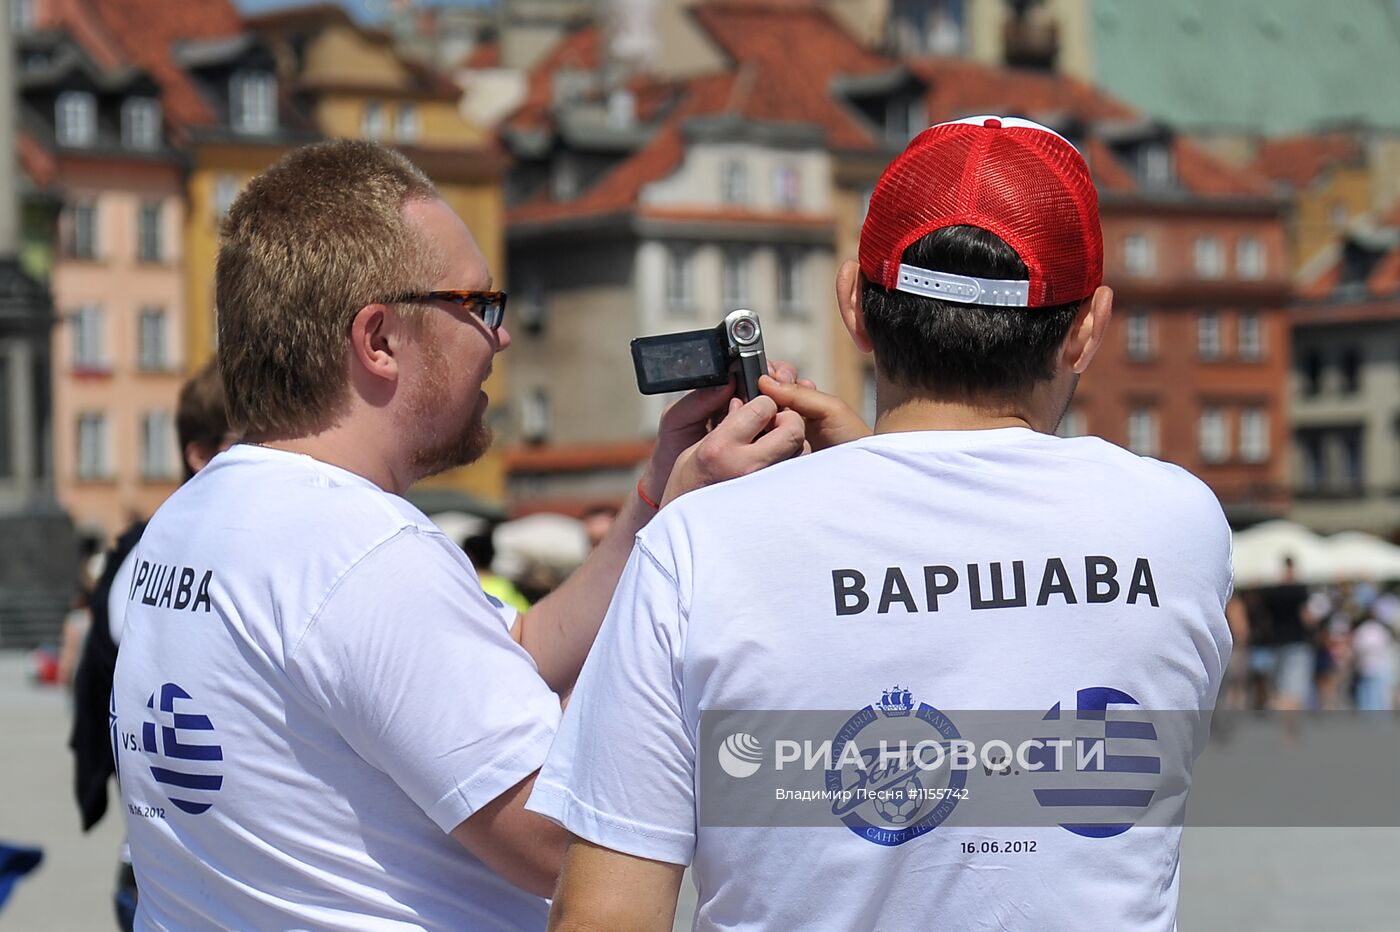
(1201, 173)
(72, 16)
(35, 161)
(1385, 277)
(1299, 160)
(579, 49)
(959, 88)
(146, 30)
(1324, 283)
(788, 53)
(485, 55)
(619, 189)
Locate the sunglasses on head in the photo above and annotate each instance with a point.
(490, 306)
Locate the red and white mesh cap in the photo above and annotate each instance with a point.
(1015, 178)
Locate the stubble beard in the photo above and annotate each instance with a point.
(441, 452)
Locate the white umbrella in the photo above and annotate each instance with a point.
(1259, 553)
(557, 541)
(458, 525)
(1358, 555)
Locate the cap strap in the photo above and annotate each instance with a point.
(964, 289)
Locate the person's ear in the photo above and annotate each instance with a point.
(197, 455)
(373, 343)
(1087, 332)
(849, 282)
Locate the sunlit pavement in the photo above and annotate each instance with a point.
(1232, 878)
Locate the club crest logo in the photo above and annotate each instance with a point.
(883, 793)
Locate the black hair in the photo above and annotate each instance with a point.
(480, 549)
(961, 350)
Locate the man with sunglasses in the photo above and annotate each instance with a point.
(319, 718)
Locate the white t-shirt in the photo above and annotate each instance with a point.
(731, 601)
(312, 691)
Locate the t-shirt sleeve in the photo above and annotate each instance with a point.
(414, 668)
(621, 772)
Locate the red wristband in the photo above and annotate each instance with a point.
(644, 497)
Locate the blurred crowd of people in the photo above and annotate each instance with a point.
(1328, 647)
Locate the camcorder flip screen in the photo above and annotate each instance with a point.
(676, 362)
(687, 358)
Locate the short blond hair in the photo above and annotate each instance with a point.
(311, 240)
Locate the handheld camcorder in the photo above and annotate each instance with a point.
(675, 362)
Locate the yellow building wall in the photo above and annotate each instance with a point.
(439, 122)
(1325, 208)
(341, 53)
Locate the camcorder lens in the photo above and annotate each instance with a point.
(745, 330)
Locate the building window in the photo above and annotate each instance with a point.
(563, 179)
(1351, 371)
(532, 303)
(22, 15)
(1251, 336)
(88, 352)
(158, 445)
(406, 127)
(151, 352)
(1250, 262)
(253, 102)
(534, 415)
(789, 281)
(76, 119)
(734, 182)
(1208, 335)
(1155, 164)
(734, 275)
(373, 123)
(148, 245)
(1138, 255)
(92, 446)
(1072, 424)
(787, 185)
(1214, 436)
(1139, 330)
(141, 123)
(680, 279)
(1210, 260)
(1352, 477)
(82, 231)
(1142, 431)
(226, 189)
(904, 117)
(1254, 435)
(1312, 369)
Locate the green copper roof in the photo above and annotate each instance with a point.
(1274, 66)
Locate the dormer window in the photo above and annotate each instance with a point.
(253, 102)
(75, 119)
(374, 122)
(406, 126)
(1155, 164)
(734, 182)
(905, 116)
(141, 123)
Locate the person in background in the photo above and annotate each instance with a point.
(201, 426)
(481, 550)
(596, 521)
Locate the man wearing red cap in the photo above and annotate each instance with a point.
(961, 557)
